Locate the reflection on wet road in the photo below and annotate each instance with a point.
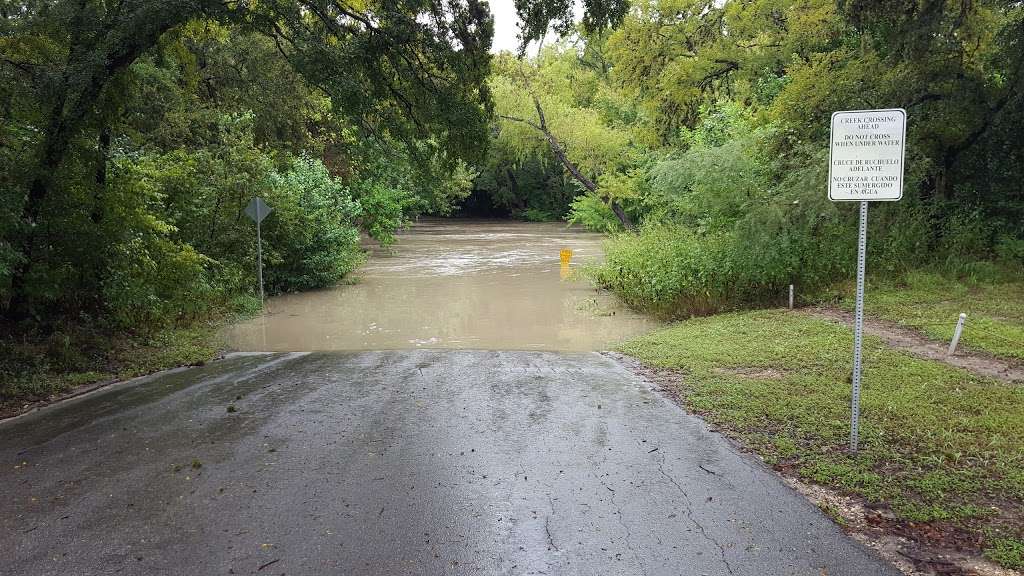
(455, 284)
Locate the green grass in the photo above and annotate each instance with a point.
(937, 444)
(35, 367)
(1007, 551)
(34, 371)
(931, 303)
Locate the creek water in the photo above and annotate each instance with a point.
(493, 285)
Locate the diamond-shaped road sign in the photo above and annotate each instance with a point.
(258, 210)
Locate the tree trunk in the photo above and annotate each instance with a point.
(514, 184)
(55, 144)
(559, 152)
(101, 175)
(627, 223)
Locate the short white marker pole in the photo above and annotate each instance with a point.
(790, 296)
(956, 334)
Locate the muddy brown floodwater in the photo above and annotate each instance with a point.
(492, 285)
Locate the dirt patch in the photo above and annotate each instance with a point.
(752, 373)
(918, 345)
(916, 549)
(899, 542)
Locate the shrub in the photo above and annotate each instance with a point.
(593, 214)
(154, 282)
(179, 248)
(720, 233)
(154, 279)
(385, 207)
(667, 269)
(742, 212)
(311, 238)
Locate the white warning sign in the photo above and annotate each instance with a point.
(867, 151)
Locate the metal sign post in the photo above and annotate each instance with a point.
(865, 165)
(858, 327)
(257, 210)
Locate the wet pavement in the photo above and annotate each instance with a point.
(400, 462)
(494, 285)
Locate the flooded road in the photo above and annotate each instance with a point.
(493, 285)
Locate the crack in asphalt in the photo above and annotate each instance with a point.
(547, 530)
(629, 533)
(618, 509)
(547, 523)
(689, 514)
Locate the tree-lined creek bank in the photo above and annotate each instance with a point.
(473, 284)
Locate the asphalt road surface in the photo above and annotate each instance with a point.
(403, 462)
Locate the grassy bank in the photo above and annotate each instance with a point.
(943, 448)
(35, 368)
(931, 303)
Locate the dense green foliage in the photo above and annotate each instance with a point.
(531, 189)
(708, 124)
(558, 110)
(134, 133)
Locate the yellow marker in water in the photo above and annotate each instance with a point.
(566, 256)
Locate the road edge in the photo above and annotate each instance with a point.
(849, 513)
(113, 383)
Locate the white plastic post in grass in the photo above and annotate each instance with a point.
(956, 334)
(790, 296)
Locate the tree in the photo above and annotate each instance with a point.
(401, 71)
(556, 86)
(537, 17)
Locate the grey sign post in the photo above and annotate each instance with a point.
(257, 210)
(865, 165)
